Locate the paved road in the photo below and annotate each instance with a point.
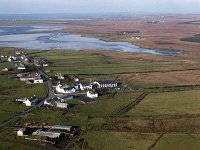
(50, 87)
(49, 96)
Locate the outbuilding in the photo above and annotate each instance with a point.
(92, 94)
(31, 102)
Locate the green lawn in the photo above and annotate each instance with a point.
(172, 103)
(13, 87)
(9, 108)
(9, 89)
(179, 141)
(119, 140)
(106, 105)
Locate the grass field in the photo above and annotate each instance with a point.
(106, 105)
(9, 140)
(159, 79)
(89, 114)
(99, 62)
(119, 140)
(135, 141)
(119, 132)
(5, 65)
(11, 89)
(9, 108)
(172, 103)
(18, 88)
(178, 141)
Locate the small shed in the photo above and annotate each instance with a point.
(92, 94)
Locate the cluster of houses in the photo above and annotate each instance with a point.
(49, 134)
(22, 61)
(86, 86)
(31, 77)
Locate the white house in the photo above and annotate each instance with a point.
(38, 80)
(21, 100)
(85, 86)
(12, 58)
(45, 65)
(64, 89)
(5, 69)
(21, 67)
(92, 94)
(76, 79)
(31, 102)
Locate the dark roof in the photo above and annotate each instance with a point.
(85, 83)
(107, 82)
(33, 99)
(92, 92)
(69, 88)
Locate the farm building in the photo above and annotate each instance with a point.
(47, 133)
(24, 132)
(85, 86)
(61, 105)
(61, 127)
(105, 84)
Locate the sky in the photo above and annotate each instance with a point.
(98, 6)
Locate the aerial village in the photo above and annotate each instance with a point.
(31, 72)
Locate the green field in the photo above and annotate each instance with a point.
(119, 140)
(172, 103)
(16, 88)
(178, 141)
(79, 62)
(111, 134)
(9, 108)
(91, 115)
(52, 116)
(11, 88)
(106, 105)
(10, 141)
